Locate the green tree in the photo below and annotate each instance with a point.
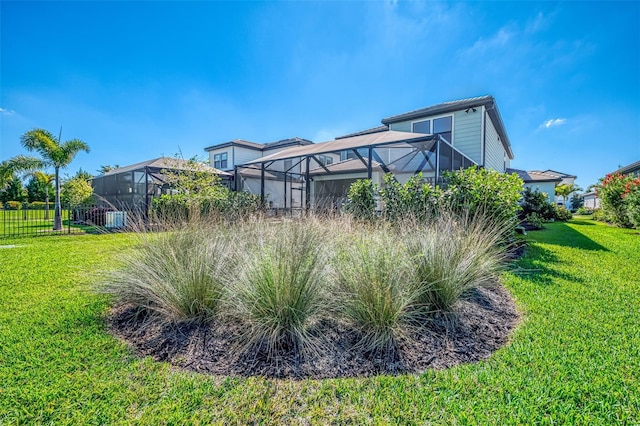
(39, 188)
(54, 153)
(16, 165)
(77, 191)
(107, 168)
(13, 190)
(565, 191)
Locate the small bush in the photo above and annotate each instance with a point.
(414, 199)
(535, 220)
(494, 194)
(537, 202)
(179, 276)
(373, 287)
(561, 213)
(13, 205)
(279, 288)
(361, 199)
(38, 205)
(584, 211)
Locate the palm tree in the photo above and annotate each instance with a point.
(45, 179)
(17, 165)
(54, 153)
(565, 190)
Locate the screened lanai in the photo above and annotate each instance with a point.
(318, 176)
(133, 187)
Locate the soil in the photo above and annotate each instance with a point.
(479, 324)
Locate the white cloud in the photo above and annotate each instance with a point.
(6, 111)
(554, 122)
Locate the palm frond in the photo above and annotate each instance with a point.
(18, 164)
(41, 141)
(70, 148)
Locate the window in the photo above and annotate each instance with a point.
(422, 126)
(350, 155)
(442, 126)
(288, 164)
(220, 161)
(325, 159)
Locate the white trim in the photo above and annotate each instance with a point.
(435, 117)
(483, 134)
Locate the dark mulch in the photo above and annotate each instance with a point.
(480, 324)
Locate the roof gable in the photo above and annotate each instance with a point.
(446, 107)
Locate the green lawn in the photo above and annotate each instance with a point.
(575, 358)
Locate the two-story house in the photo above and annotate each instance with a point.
(431, 140)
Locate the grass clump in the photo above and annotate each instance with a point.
(178, 275)
(279, 286)
(372, 279)
(453, 255)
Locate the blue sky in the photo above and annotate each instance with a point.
(136, 80)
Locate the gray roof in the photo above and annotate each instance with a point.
(630, 168)
(347, 166)
(164, 163)
(452, 106)
(285, 142)
(296, 141)
(533, 176)
(378, 129)
(239, 142)
(374, 139)
(556, 173)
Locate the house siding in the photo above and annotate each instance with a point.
(467, 133)
(243, 155)
(494, 151)
(548, 188)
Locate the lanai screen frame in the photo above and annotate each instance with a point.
(430, 143)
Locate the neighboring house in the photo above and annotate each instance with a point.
(591, 200)
(539, 181)
(632, 169)
(132, 187)
(546, 182)
(225, 156)
(432, 140)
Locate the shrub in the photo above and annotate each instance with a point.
(535, 220)
(38, 205)
(631, 197)
(279, 289)
(361, 199)
(479, 190)
(610, 191)
(584, 211)
(455, 254)
(13, 205)
(179, 276)
(373, 287)
(598, 215)
(413, 199)
(562, 213)
(534, 201)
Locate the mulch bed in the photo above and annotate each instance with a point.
(480, 324)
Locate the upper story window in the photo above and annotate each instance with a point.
(325, 159)
(442, 126)
(350, 155)
(220, 161)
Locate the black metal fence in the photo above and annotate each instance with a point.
(17, 220)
